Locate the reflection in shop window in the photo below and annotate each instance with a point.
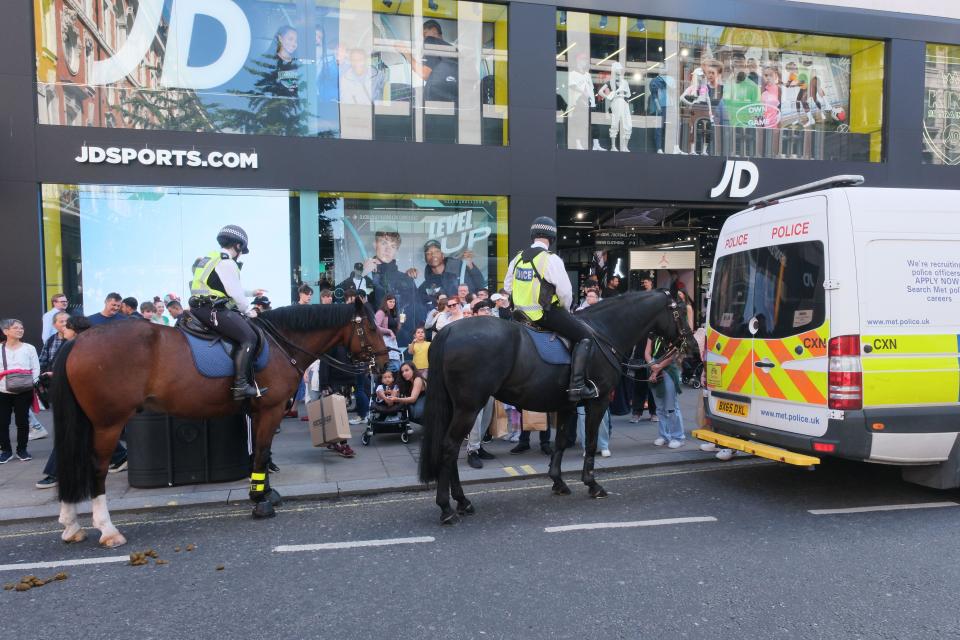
(415, 247)
(420, 70)
(643, 85)
(941, 109)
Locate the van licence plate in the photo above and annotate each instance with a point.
(731, 408)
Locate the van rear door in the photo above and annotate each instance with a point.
(770, 307)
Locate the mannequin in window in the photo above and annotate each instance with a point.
(657, 106)
(617, 93)
(580, 90)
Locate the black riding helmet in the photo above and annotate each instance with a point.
(231, 235)
(544, 227)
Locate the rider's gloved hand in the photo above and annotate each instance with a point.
(251, 312)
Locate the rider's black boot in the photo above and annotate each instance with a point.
(579, 389)
(242, 389)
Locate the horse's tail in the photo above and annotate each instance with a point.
(73, 435)
(437, 413)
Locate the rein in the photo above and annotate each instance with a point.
(366, 350)
(619, 361)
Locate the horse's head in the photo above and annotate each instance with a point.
(670, 324)
(366, 343)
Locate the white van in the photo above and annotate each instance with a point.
(834, 326)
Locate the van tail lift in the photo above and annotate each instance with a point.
(754, 448)
(819, 185)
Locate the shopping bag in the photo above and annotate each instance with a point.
(534, 421)
(328, 420)
(500, 425)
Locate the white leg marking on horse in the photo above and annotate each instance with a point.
(72, 532)
(109, 536)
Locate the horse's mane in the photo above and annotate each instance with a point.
(310, 317)
(612, 309)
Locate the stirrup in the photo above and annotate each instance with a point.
(587, 392)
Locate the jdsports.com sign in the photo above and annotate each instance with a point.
(167, 157)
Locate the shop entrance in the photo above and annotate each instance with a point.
(671, 242)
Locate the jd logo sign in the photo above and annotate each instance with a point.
(176, 71)
(733, 178)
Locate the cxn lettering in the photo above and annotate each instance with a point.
(790, 230)
(736, 241)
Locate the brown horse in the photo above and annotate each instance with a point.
(107, 374)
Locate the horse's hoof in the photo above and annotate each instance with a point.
(113, 541)
(598, 492)
(275, 498)
(561, 490)
(264, 510)
(450, 519)
(467, 510)
(78, 536)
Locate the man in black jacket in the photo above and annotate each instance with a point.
(388, 278)
(443, 275)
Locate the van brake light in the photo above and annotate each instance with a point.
(845, 375)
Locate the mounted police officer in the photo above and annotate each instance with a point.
(540, 287)
(217, 299)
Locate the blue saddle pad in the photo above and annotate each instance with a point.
(549, 346)
(212, 357)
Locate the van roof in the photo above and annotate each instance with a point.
(882, 198)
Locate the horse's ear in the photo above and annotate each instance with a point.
(358, 305)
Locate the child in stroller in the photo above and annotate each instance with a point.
(389, 413)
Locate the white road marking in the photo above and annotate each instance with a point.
(351, 545)
(26, 566)
(883, 507)
(625, 525)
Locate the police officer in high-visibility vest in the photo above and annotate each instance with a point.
(540, 288)
(217, 299)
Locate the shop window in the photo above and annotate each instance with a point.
(412, 246)
(941, 107)
(642, 85)
(423, 71)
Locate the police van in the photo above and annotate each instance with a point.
(834, 328)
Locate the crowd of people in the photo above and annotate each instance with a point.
(399, 391)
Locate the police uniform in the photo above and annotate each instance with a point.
(217, 299)
(538, 283)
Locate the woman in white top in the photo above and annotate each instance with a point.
(17, 355)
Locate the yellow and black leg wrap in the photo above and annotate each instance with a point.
(258, 483)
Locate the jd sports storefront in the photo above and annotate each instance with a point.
(353, 132)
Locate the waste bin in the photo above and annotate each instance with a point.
(166, 451)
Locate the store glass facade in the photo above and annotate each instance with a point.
(142, 241)
(655, 86)
(428, 70)
(941, 106)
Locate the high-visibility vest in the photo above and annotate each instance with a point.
(526, 286)
(202, 270)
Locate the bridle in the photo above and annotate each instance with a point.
(358, 364)
(679, 344)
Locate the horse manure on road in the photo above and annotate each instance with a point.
(220, 567)
(33, 582)
(140, 558)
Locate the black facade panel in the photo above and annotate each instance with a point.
(532, 172)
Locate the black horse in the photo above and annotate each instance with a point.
(476, 358)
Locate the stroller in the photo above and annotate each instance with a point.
(691, 370)
(386, 422)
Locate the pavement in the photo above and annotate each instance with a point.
(306, 472)
(743, 549)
